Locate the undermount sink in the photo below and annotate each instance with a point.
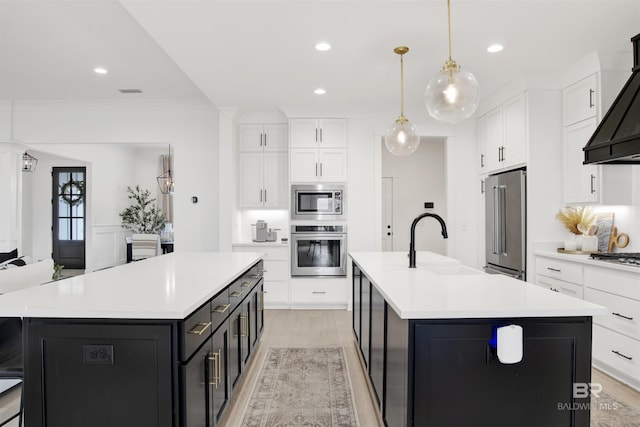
(450, 270)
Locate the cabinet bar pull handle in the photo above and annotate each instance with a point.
(260, 196)
(321, 166)
(591, 104)
(221, 308)
(557, 270)
(260, 270)
(319, 292)
(482, 186)
(261, 301)
(243, 326)
(316, 134)
(245, 284)
(256, 276)
(593, 180)
(624, 317)
(621, 355)
(265, 139)
(215, 358)
(481, 160)
(265, 195)
(236, 294)
(261, 136)
(203, 327)
(320, 134)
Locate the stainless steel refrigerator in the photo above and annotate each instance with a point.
(505, 205)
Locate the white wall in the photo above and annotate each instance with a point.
(418, 178)
(365, 173)
(191, 127)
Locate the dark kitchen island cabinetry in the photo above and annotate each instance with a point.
(150, 343)
(431, 358)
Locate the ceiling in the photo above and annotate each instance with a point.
(259, 55)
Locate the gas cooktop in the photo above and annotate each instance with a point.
(626, 258)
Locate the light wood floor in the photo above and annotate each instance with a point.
(319, 328)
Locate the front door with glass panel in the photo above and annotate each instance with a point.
(69, 212)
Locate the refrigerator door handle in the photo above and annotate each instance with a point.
(503, 220)
(496, 220)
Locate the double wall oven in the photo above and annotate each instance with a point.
(319, 231)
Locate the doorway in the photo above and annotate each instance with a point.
(408, 183)
(69, 212)
(387, 214)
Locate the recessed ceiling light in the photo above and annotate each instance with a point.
(495, 48)
(319, 91)
(322, 46)
(100, 70)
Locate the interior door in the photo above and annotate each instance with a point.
(69, 212)
(387, 214)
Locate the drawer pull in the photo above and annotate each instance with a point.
(215, 358)
(255, 276)
(621, 355)
(622, 316)
(221, 308)
(245, 284)
(262, 270)
(260, 301)
(319, 292)
(203, 327)
(236, 294)
(555, 270)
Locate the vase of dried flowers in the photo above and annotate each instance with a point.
(577, 220)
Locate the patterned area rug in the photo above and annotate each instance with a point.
(609, 412)
(302, 387)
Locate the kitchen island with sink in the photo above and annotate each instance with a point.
(159, 342)
(447, 345)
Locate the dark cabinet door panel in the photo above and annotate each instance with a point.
(121, 376)
(376, 365)
(460, 381)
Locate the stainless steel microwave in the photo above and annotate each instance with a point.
(318, 202)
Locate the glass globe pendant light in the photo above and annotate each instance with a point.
(401, 138)
(453, 95)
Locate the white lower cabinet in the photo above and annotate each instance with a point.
(560, 286)
(276, 272)
(617, 355)
(560, 276)
(319, 293)
(616, 336)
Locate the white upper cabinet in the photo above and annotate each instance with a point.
(584, 103)
(582, 182)
(263, 174)
(481, 126)
(503, 133)
(579, 101)
(262, 137)
(319, 133)
(318, 150)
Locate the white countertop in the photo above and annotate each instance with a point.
(277, 243)
(585, 259)
(170, 286)
(460, 292)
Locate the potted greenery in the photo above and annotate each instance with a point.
(142, 216)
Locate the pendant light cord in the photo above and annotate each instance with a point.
(449, 25)
(402, 86)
